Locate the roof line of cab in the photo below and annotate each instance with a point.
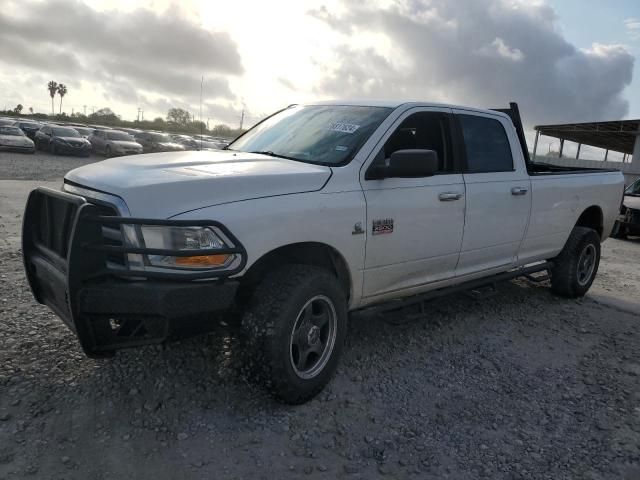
(405, 104)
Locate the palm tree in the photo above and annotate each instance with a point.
(62, 91)
(53, 89)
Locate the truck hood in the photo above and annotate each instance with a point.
(162, 185)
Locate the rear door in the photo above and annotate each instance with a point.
(414, 225)
(498, 191)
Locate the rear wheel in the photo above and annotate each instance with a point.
(296, 323)
(576, 267)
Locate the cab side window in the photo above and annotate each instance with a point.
(486, 144)
(424, 131)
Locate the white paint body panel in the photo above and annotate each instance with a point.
(270, 203)
(166, 184)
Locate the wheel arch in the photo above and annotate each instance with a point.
(306, 253)
(593, 218)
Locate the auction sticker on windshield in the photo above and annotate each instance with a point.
(344, 127)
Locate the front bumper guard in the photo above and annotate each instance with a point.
(66, 261)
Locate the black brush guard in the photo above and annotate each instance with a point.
(66, 262)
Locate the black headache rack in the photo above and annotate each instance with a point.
(535, 168)
(513, 112)
(76, 265)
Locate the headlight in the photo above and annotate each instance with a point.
(186, 239)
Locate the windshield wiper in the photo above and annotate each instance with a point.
(272, 154)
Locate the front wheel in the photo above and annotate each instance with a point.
(576, 267)
(296, 323)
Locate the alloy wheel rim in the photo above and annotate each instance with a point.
(586, 264)
(313, 337)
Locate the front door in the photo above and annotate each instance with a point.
(414, 225)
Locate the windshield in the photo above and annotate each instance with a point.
(633, 189)
(119, 136)
(13, 131)
(322, 134)
(64, 132)
(82, 131)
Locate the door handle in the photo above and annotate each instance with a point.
(450, 196)
(519, 191)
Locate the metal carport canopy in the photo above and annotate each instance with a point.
(619, 136)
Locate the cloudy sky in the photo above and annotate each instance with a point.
(562, 60)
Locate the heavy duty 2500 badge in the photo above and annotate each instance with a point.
(384, 225)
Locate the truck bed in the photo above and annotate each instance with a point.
(535, 168)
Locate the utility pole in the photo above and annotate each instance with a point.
(242, 118)
(201, 124)
(93, 109)
(85, 110)
(72, 111)
(142, 112)
(138, 118)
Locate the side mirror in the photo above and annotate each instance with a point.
(413, 163)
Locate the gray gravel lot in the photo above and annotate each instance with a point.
(516, 386)
(40, 165)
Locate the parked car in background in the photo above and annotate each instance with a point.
(628, 222)
(114, 143)
(157, 142)
(131, 131)
(189, 143)
(13, 138)
(83, 131)
(208, 142)
(62, 140)
(28, 127)
(7, 121)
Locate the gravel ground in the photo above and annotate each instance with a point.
(515, 386)
(40, 165)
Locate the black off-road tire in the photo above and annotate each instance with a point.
(568, 278)
(269, 320)
(618, 231)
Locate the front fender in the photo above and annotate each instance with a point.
(266, 224)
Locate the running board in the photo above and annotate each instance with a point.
(470, 286)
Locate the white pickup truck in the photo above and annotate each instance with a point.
(316, 211)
